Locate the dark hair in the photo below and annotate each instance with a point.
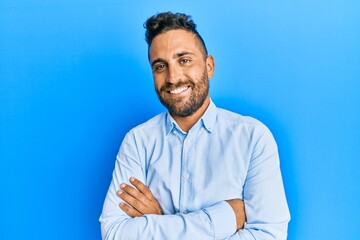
(166, 21)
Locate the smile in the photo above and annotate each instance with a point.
(179, 90)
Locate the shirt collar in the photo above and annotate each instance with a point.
(207, 120)
(170, 123)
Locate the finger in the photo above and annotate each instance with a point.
(133, 192)
(129, 210)
(142, 188)
(131, 201)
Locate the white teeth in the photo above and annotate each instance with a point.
(178, 90)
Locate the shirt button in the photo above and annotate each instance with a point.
(186, 176)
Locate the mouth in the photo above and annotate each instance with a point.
(178, 90)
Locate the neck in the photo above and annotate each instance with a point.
(186, 123)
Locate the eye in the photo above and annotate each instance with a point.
(185, 60)
(160, 67)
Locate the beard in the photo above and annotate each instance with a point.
(180, 106)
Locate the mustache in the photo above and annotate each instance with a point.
(171, 86)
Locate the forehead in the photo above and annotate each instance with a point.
(167, 44)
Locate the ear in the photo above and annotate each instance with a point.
(210, 66)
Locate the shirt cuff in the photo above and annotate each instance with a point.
(222, 218)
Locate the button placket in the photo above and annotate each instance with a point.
(185, 175)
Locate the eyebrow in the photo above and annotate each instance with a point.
(177, 55)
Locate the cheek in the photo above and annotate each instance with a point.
(158, 82)
(191, 72)
(195, 73)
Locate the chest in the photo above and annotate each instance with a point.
(188, 174)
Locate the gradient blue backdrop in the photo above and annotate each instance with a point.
(74, 78)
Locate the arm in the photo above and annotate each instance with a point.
(213, 222)
(265, 202)
(139, 200)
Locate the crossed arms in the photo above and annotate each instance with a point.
(140, 201)
(145, 220)
(132, 212)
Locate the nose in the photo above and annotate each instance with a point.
(174, 73)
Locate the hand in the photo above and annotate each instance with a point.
(139, 200)
(239, 210)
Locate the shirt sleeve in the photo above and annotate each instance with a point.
(264, 196)
(213, 222)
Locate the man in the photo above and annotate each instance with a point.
(190, 172)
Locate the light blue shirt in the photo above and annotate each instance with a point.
(223, 156)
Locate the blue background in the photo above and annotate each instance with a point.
(74, 78)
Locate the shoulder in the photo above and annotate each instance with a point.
(153, 125)
(145, 134)
(257, 133)
(236, 119)
(245, 126)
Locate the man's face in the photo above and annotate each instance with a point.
(181, 72)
